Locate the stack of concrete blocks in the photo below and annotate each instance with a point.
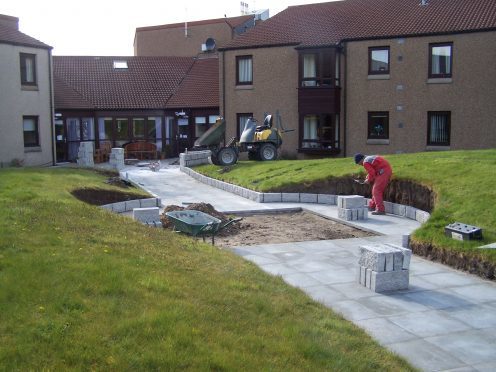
(85, 155)
(149, 216)
(352, 208)
(116, 159)
(192, 158)
(384, 267)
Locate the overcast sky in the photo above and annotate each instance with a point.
(107, 27)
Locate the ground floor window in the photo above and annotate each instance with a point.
(242, 119)
(438, 128)
(378, 125)
(200, 125)
(31, 131)
(320, 132)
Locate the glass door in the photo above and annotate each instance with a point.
(60, 141)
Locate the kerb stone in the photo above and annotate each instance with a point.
(351, 201)
(389, 281)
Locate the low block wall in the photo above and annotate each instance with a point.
(191, 158)
(261, 197)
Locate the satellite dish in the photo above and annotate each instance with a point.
(210, 44)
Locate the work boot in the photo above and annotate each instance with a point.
(378, 213)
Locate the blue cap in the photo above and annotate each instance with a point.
(359, 158)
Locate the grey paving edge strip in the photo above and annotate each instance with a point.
(264, 197)
(129, 205)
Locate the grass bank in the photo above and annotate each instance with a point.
(462, 180)
(81, 289)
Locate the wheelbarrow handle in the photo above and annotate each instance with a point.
(230, 222)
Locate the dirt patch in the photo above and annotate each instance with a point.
(95, 196)
(272, 228)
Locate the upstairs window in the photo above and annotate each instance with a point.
(440, 60)
(318, 68)
(378, 125)
(379, 61)
(28, 69)
(438, 128)
(31, 132)
(244, 70)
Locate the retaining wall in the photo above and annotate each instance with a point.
(264, 197)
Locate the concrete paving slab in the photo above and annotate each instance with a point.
(471, 347)
(477, 316)
(480, 293)
(325, 294)
(426, 356)
(300, 280)
(354, 310)
(278, 269)
(385, 331)
(429, 323)
(438, 299)
(334, 276)
(451, 279)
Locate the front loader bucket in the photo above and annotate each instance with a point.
(212, 136)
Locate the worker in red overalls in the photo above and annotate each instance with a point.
(378, 174)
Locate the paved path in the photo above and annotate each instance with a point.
(446, 320)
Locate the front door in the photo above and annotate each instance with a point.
(182, 134)
(60, 141)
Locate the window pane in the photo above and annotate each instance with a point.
(30, 129)
(138, 128)
(379, 60)
(378, 125)
(242, 119)
(105, 128)
(439, 129)
(153, 126)
(245, 70)
(309, 70)
(200, 120)
(441, 60)
(88, 127)
(73, 129)
(310, 134)
(28, 68)
(121, 129)
(212, 119)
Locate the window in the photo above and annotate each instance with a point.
(379, 61)
(30, 129)
(120, 65)
(244, 70)
(200, 125)
(318, 68)
(438, 128)
(28, 69)
(212, 119)
(319, 132)
(242, 119)
(138, 128)
(378, 125)
(105, 128)
(440, 60)
(121, 129)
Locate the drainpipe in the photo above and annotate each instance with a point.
(224, 84)
(52, 109)
(345, 87)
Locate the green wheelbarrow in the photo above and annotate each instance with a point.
(196, 223)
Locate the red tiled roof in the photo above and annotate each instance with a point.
(200, 88)
(330, 23)
(147, 83)
(10, 35)
(67, 98)
(233, 21)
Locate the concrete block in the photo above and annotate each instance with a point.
(405, 241)
(272, 197)
(292, 197)
(119, 207)
(148, 203)
(388, 206)
(345, 214)
(410, 212)
(381, 257)
(399, 210)
(326, 199)
(389, 281)
(421, 216)
(117, 150)
(308, 198)
(146, 214)
(368, 277)
(406, 252)
(159, 202)
(361, 275)
(131, 204)
(350, 201)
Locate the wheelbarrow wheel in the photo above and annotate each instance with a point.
(227, 156)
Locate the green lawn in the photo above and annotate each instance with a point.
(464, 182)
(84, 289)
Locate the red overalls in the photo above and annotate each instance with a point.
(379, 172)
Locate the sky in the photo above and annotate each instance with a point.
(107, 27)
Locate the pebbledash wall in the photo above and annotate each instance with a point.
(201, 157)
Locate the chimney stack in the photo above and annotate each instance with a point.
(10, 22)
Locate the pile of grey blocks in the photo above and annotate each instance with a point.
(85, 155)
(116, 159)
(384, 267)
(352, 208)
(149, 216)
(191, 158)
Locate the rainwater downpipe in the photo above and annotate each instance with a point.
(52, 109)
(345, 116)
(224, 84)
